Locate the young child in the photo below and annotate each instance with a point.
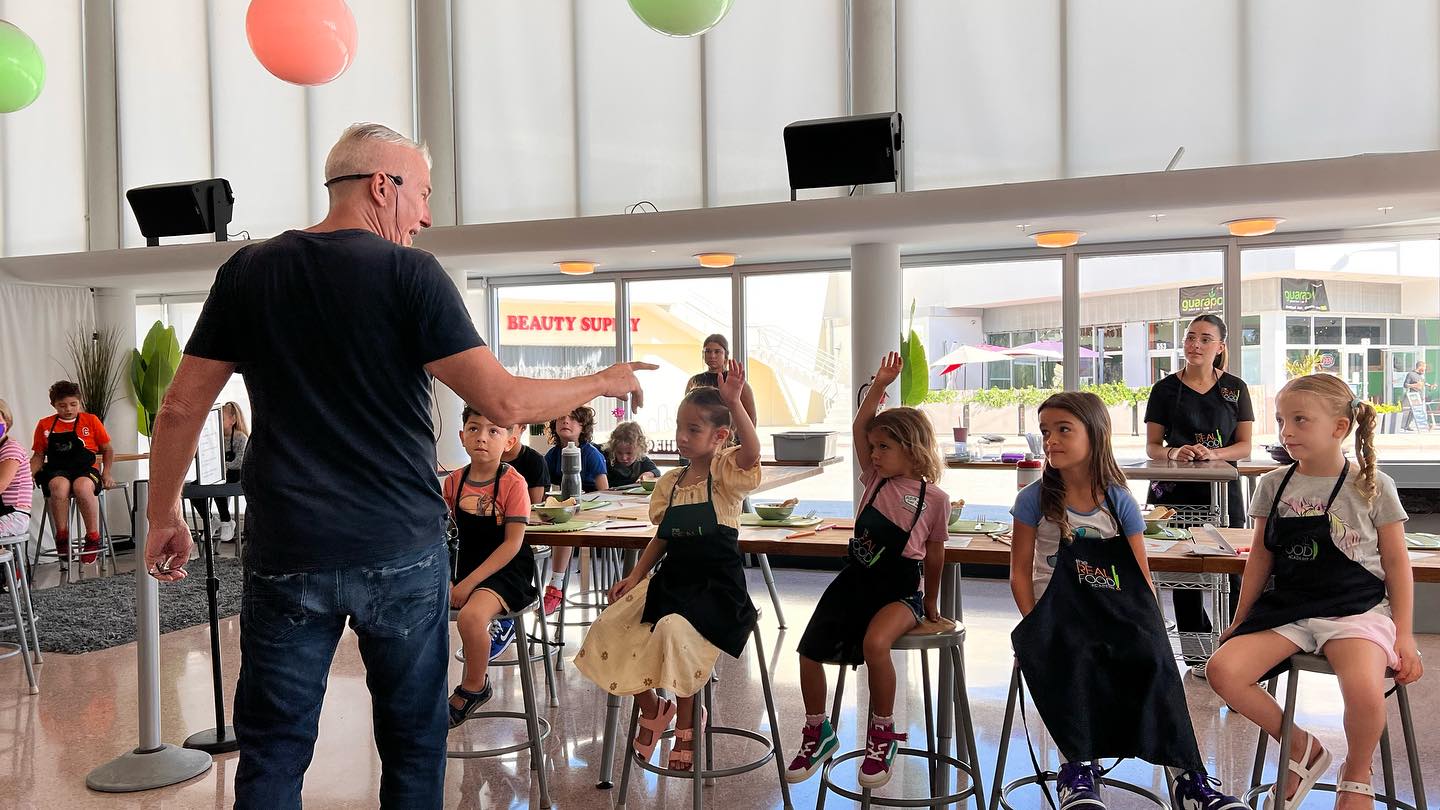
(899, 531)
(529, 463)
(625, 456)
(1332, 534)
(1092, 644)
(65, 447)
(577, 426)
(236, 438)
(495, 571)
(667, 630)
(15, 481)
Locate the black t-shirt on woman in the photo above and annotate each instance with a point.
(1190, 417)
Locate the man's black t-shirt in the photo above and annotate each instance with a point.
(332, 332)
(531, 465)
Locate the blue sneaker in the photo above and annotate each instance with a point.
(1076, 786)
(502, 632)
(1195, 790)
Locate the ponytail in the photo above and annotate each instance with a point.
(1365, 448)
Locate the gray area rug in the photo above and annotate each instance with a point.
(95, 614)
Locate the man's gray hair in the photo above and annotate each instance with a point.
(355, 152)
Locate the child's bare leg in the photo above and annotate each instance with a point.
(474, 625)
(1233, 671)
(60, 504)
(84, 491)
(1360, 665)
(893, 621)
(813, 688)
(560, 559)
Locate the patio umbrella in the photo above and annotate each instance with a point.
(1048, 350)
(983, 353)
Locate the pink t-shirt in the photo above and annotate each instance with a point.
(898, 500)
(18, 493)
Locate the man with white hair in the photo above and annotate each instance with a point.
(337, 330)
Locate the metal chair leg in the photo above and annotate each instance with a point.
(774, 592)
(532, 722)
(774, 720)
(1003, 747)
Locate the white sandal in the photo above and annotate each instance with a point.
(1362, 788)
(1309, 775)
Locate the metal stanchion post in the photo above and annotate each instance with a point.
(152, 764)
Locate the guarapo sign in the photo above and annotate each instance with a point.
(1303, 295)
(1201, 300)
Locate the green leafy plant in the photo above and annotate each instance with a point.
(915, 373)
(96, 368)
(942, 396)
(993, 399)
(1382, 409)
(1304, 366)
(152, 367)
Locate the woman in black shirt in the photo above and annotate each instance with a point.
(1200, 413)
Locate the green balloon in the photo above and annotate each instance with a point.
(681, 18)
(22, 69)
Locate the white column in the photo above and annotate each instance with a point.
(435, 107)
(115, 309)
(102, 150)
(872, 65)
(448, 450)
(875, 280)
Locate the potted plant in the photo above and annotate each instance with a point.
(96, 368)
(152, 367)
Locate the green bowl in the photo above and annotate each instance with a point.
(955, 513)
(557, 514)
(774, 511)
(648, 485)
(1156, 526)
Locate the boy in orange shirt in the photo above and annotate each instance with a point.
(495, 569)
(65, 449)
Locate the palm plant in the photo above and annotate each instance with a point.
(95, 365)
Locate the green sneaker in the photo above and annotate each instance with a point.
(817, 744)
(880, 746)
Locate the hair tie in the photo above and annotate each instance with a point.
(1356, 403)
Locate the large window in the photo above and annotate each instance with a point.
(669, 320)
(1363, 311)
(557, 331)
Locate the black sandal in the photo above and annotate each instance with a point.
(470, 703)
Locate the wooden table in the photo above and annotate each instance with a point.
(673, 460)
(119, 457)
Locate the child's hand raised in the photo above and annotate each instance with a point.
(889, 370)
(732, 383)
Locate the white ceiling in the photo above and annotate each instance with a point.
(1317, 195)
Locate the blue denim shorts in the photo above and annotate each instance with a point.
(916, 603)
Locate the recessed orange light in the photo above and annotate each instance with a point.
(576, 268)
(1057, 239)
(1253, 226)
(716, 260)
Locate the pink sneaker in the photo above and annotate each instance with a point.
(880, 746)
(553, 597)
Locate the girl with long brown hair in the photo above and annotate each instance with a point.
(1092, 645)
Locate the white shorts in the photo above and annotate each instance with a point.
(1311, 635)
(14, 523)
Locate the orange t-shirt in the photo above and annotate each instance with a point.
(514, 500)
(92, 432)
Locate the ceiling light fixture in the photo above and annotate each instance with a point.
(716, 260)
(1057, 239)
(576, 268)
(1253, 226)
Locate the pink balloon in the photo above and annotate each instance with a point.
(302, 41)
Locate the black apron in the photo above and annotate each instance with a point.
(1098, 662)
(875, 574)
(1312, 576)
(480, 535)
(703, 576)
(1206, 420)
(66, 453)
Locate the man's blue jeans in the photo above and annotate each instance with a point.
(290, 625)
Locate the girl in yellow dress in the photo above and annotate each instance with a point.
(667, 630)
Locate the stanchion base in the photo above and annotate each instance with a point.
(214, 741)
(137, 770)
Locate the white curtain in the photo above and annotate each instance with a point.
(35, 321)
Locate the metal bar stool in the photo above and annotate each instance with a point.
(1316, 663)
(22, 648)
(542, 641)
(606, 568)
(949, 641)
(537, 728)
(704, 748)
(16, 544)
(72, 560)
(1000, 795)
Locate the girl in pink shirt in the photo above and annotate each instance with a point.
(15, 481)
(899, 533)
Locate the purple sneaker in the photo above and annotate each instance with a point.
(1076, 786)
(1195, 790)
(880, 746)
